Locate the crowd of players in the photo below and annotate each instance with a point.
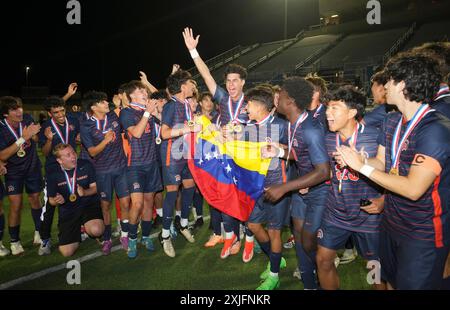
(378, 180)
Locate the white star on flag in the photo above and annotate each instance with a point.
(208, 156)
(228, 168)
(234, 180)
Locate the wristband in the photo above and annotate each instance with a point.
(280, 152)
(367, 170)
(147, 114)
(20, 142)
(194, 53)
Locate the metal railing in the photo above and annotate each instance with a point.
(399, 43)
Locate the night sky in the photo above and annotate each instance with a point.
(116, 38)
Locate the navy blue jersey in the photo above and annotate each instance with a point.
(57, 183)
(222, 97)
(74, 129)
(16, 165)
(274, 130)
(174, 115)
(427, 218)
(441, 101)
(113, 156)
(142, 150)
(376, 117)
(343, 208)
(319, 114)
(78, 116)
(308, 146)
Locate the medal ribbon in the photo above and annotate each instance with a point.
(70, 182)
(291, 136)
(233, 116)
(318, 110)
(13, 131)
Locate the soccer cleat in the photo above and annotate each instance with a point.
(16, 248)
(45, 248)
(348, 256)
(199, 222)
(297, 274)
(132, 248)
(167, 246)
(106, 247)
(213, 241)
(124, 242)
(3, 251)
(226, 250)
(247, 255)
(187, 234)
(148, 243)
(337, 261)
(270, 283)
(290, 243)
(235, 248)
(37, 238)
(266, 272)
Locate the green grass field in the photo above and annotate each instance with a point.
(194, 267)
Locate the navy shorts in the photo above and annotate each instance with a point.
(69, 225)
(32, 181)
(333, 237)
(175, 173)
(113, 181)
(409, 264)
(144, 179)
(310, 207)
(272, 214)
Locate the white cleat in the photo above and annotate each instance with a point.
(45, 249)
(167, 246)
(187, 234)
(16, 248)
(4, 251)
(37, 238)
(348, 256)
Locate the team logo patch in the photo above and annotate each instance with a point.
(10, 188)
(177, 178)
(405, 145)
(243, 111)
(136, 186)
(320, 234)
(115, 124)
(103, 194)
(295, 143)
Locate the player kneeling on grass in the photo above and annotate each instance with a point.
(71, 187)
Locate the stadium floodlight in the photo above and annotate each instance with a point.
(27, 70)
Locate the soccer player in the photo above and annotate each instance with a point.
(307, 147)
(57, 129)
(144, 179)
(178, 120)
(266, 127)
(232, 113)
(72, 188)
(101, 135)
(18, 150)
(412, 164)
(354, 204)
(3, 250)
(376, 117)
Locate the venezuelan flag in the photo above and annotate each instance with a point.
(230, 175)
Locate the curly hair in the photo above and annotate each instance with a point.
(300, 90)
(351, 96)
(235, 68)
(91, 98)
(380, 78)
(420, 73)
(53, 102)
(439, 50)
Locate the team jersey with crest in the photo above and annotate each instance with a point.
(319, 114)
(427, 219)
(237, 108)
(343, 208)
(92, 134)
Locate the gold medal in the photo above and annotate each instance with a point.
(394, 171)
(237, 128)
(158, 141)
(191, 123)
(73, 197)
(21, 153)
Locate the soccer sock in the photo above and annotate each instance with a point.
(159, 212)
(184, 222)
(46, 224)
(198, 203)
(275, 259)
(216, 219)
(14, 232)
(107, 233)
(168, 205)
(187, 194)
(146, 228)
(265, 247)
(132, 233)
(178, 213)
(124, 226)
(248, 233)
(36, 214)
(307, 267)
(2, 226)
(249, 238)
(165, 233)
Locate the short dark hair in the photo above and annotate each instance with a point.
(8, 103)
(351, 96)
(235, 68)
(131, 86)
(300, 90)
(53, 102)
(204, 95)
(440, 50)
(421, 73)
(158, 95)
(93, 97)
(262, 95)
(380, 78)
(174, 81)
(121, 88)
